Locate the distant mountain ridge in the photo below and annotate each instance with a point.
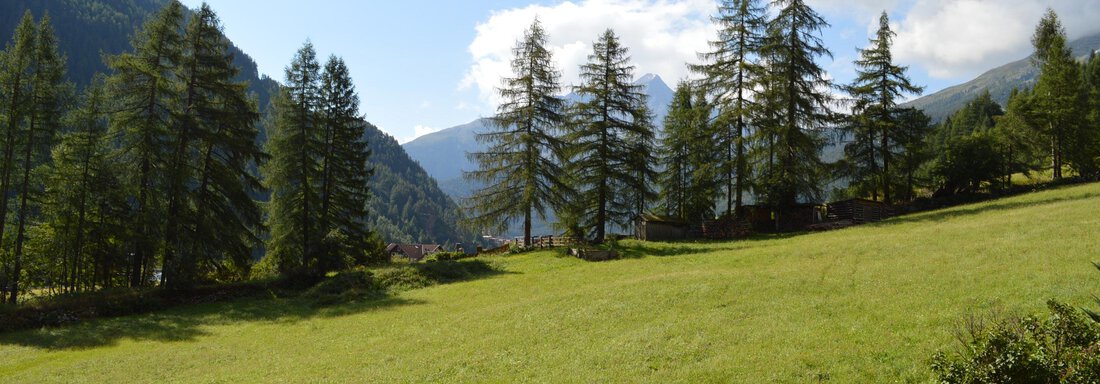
(998, 81)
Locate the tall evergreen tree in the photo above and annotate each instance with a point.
(611, 111)
(875, 126)
(16, 80)
(344, 172)
(292, 173)
(797, 105)
(144, 88)
(1057, 90)
(730, 72)
(48, 94)
(521, 176)
(686, 187)
(77, 185)
(217, 142)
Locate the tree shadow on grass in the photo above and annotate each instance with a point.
(189, 322)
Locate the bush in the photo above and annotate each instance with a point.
(419, 275)
(401, 277)
(1064, 348)
(344, 287)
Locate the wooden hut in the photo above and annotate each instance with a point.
(793, 218)
(651, 227)
(859, 210)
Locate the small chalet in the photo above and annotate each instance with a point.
(414, 252)
(651, 227)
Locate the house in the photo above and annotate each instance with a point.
(859, 211)
(651, 227)
(414, 252)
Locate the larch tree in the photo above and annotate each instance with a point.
(875, 125)
(144, 89)
(686, 187)
(15, 69)
(344, 170)
(730, 72)
(292, 173)
(76, 183)
(221, 222)
(1057, 91)
(49, 92)
(610, 112)
(796, 99)
(520, 167)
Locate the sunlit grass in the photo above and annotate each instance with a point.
(865, 304)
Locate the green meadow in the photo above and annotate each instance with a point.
(863, 304)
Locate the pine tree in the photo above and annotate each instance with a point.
(687, 184)
(344, 171)
(17, 61)
(144, 88)
(875, 125)
(1057, 89)
(292, 174)
(611, 111)
(637, 193)
(79, 178)
(222, 222)
(47, 97)
(796, 105)
(729, 74)
(518, 168)
(675, 152)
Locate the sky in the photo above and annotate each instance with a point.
(424, 65)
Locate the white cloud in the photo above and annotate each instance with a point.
(418, 131)
(662, 35)
(961, 38)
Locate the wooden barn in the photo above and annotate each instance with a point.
(651, 227)
(798, 217)
(859, 211)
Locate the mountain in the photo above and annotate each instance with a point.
(89, 30)
(406, 204)
(443, 153)
(999, 81)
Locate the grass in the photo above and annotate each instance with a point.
(865, 304)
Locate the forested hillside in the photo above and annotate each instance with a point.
(89, 29)
(999, 82)
(407, 206)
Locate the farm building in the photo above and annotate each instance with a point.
(651, 227)
(859, 210)
(793, 218)
(414, 252)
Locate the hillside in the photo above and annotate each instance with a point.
(407, 205)
(89, 29)
(865, 304)
(999, 81)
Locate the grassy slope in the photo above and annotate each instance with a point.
(867, 304)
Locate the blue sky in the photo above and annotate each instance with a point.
(425, 65)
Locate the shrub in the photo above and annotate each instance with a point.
(400, 277)
(1064, 348)
(344, 287)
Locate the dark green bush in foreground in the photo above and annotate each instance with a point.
(1063, 348)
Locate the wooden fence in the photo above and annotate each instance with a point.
(545, 241)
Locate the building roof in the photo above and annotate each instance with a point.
(650, 217)
(414, 252)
